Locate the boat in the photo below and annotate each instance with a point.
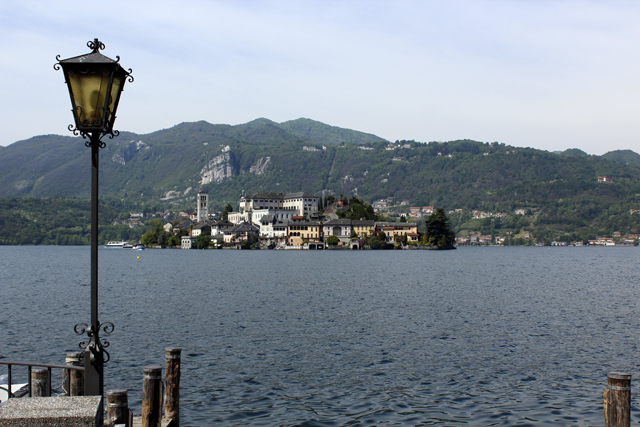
(17, 390)
(138, 247)
(116, 244)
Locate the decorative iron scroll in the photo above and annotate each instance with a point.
(95, 344)
(95, 45)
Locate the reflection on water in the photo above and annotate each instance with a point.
(477, 336)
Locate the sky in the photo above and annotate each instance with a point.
(550, 75)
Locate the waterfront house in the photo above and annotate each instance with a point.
(341, 228)
(242, 233)
(188, 242)
(273, 231)
(394, 229)
(301, 231)
(363, 227)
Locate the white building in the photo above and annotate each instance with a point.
(282, 206)
(340, 228)
(272, 228)
(187, 242)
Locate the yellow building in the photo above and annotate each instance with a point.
(299, 232)
(363, 228)
(394, 229)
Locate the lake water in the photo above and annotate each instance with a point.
(472, 337)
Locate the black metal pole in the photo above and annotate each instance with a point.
(94, 357)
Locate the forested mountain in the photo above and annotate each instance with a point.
(167, 167)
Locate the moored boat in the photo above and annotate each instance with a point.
(117, 244)
(138, 247)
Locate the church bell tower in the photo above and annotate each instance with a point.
(203, 205)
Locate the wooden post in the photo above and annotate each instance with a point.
(151, 396)
(617, 400)
(118, 407)
(74, 379)
(172, 385)
(39, 382)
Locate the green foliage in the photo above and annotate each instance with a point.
(438, 230)
(174, 241)
(311, 130)
(377, 242)
(203, 241)
(357, 209)
(161, 171)
(622, 156)
(226, 210)
(333, 240)
(61, 221)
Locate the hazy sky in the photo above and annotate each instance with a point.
(546, 74)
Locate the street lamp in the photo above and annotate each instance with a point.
(95, 83)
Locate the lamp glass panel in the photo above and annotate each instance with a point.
(116, 88)
(89, 88)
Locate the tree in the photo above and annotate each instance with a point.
(357, 209)
(148, 239)
(438, 230)
(156, 226)
(377, 242)
(174, 241)
(226, 210)
(333, 240)
(203, 241)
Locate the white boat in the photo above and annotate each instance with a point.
(18, 390)
(138, 247)
(116, 244)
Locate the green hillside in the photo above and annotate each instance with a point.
(311, 130)
(166, 168)
(622, 156)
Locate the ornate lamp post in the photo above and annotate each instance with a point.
(95, 83)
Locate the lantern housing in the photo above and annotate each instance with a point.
(95, 83)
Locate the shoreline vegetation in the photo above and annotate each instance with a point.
(492, 193)
(66, 221)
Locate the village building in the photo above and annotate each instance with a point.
(273, 232)
(605, 179)
(363, 227)
(283, 206)
(244, 233)
(341, 228)
(187, 242)
(393, 230)
(218, 227)
(200, 228)
(301, 232)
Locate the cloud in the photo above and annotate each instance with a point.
(547, 74)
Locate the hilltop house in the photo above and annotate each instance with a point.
(280, 205)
